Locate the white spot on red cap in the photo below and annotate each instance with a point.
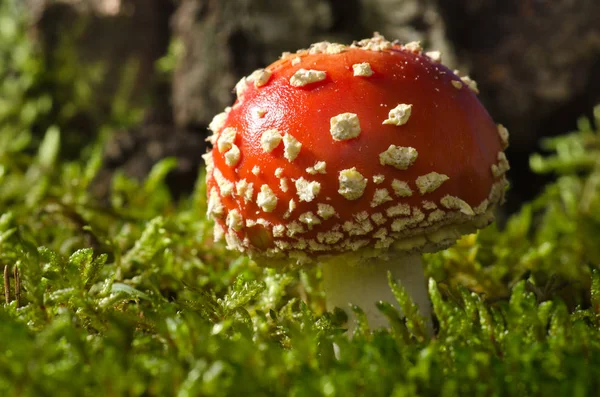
(261, 112)
(270, 139)
(351, 184)
(378, 179)
(454, 203)
(399, 115)
(244, 189)
(435, 56)
(401, 188)
(314, 246)
(263, 222)
(291, 147)
(358, 228)
(218, 232)
(318, 168)
(418, 215)
(503, 133)
(241, 87)
(278, 231)
(325, 211)
(469, 82)
(209, 161)
(282, 245)
(361, 216)
(414, 46)
(260, 77)
(378, 218)
(384, 243)
(355, 245)
(397, 210)
(330, 237)
(303, 77)
(232, 156)
(226, 139)
(233, 241)
(283, 184)
(300, 244)
(400, 224)
(225, 185)
(215, 207)
(377, 43)
(380, 196)
(429, 205)
(436, 216)
(234, 220)
(266, 199)
(307, 190)
(502, 166)
(344, 126)
(362, 69)
(482, 207)
(430, 182)
(399, 157)
(309, 218)
(325, 47)
(381, 233)
(294, 228)
(217, 123)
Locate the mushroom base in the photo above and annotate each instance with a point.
(367, 284)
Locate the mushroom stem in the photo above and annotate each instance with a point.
(365, 285)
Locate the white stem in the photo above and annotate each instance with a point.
(367, 284)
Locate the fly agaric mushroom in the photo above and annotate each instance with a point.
(358, 158)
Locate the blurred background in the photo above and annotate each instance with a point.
(156, 71)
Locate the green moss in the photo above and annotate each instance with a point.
(134, 298)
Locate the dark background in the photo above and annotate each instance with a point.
(537, 63)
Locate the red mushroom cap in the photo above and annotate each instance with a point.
(353, 149)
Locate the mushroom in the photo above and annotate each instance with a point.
(357, 158)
